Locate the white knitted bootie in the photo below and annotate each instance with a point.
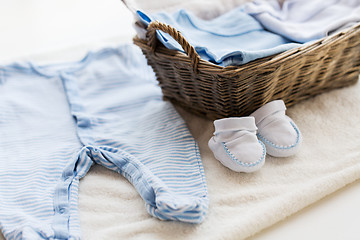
(235, 144)
(277, 131)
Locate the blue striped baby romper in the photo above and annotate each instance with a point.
(57, 121)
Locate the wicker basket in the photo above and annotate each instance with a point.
(217, 92)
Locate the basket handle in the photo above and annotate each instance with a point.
(177, 36)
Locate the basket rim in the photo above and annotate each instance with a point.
(204, 65)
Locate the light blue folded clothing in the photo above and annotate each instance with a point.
(231, 39)
(305, 20)
(57, 121)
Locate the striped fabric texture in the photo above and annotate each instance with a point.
(56, 121)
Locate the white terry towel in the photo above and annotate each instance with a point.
(241, 204)
(305, 20)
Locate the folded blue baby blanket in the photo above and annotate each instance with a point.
(305, 20)
(233, 38)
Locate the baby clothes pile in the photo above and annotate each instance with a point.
(59, 120)
(256, 29)
(226, 40)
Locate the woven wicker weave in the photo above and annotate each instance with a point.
(217, 92)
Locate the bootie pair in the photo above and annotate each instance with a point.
(241, 143)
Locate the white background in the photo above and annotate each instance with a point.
(61, 30)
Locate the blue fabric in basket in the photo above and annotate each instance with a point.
(233, 38)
